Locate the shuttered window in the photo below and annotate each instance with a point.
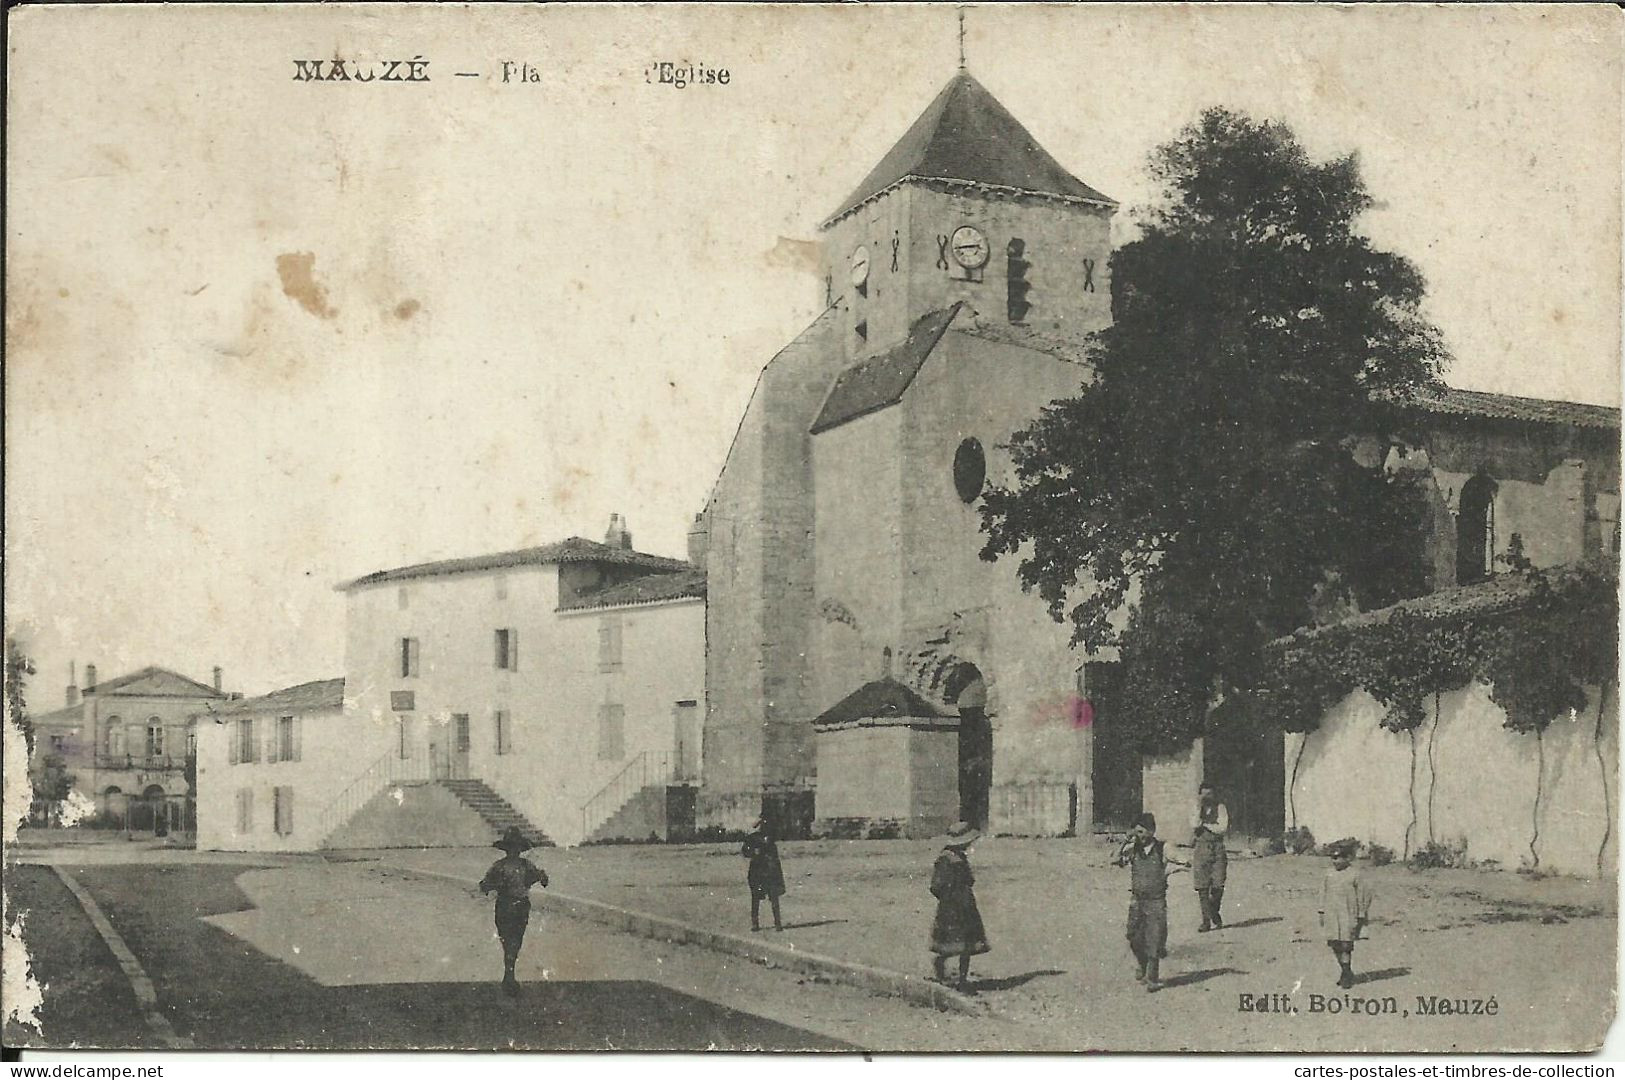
(611, 732)
(503, 733)
(282, 800)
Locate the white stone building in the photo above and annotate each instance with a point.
(556, 687)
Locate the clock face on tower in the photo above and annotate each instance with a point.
(969, 247)
(860, 266)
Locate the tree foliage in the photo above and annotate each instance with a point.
(1204, 483)
(18, 668)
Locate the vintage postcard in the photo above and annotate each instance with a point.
(801, 527)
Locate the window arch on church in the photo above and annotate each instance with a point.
(1475, 530)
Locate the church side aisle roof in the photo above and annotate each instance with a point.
(965, 135)
(881, 380)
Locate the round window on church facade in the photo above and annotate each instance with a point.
(970, 470)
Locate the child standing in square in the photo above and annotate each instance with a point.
(1148, 899)
(511, 877)
(1345, 908)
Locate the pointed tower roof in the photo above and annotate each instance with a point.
(965, 136)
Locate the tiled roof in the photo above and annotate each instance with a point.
(155, 682)
(1452, 402)
(880, 381)
(573, 550)
(883, 698)
(1073, 352)
(649, 589)
(306, 697)
(965, 135)
(1502, 592)
(67, 715)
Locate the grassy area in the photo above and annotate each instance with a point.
(87, 999)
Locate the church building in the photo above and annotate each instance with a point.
(856, 644)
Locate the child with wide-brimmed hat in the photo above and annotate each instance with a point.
(511, 877)
(957, 929)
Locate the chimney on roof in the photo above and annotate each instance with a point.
(617, 537)
(699, 539)
(217, 678)
(90, 678)
(73, 683)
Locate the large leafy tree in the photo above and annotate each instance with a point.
(1206, 481)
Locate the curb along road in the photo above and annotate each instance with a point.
(911, 988)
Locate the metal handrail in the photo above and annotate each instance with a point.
(649, 767)
(142, 762)
(392, 768)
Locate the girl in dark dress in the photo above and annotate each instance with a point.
(957, 930)
(765, 876)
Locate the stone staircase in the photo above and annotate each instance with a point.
(497, 811)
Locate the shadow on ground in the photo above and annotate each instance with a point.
(1188, 978)
(1010, 982)
(1378, 976)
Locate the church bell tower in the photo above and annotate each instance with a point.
(968, 207)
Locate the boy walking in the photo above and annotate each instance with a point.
(1345, 907)
(1148, 899)
(511, 878)
(1208, 860)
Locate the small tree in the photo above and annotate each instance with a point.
(1257, 338)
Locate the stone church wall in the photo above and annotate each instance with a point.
(758, 731)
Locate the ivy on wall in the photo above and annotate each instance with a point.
(1536, 638)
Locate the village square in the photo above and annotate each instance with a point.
(1090, 641)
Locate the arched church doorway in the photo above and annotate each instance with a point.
(966, 690)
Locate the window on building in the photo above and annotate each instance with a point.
(609, 645)
(155, 738)
(402, 743)
(245, 811)
(59, 743)
(1475, 531)
(246, 745)
(282, 802)
(115, 737)
(611, 732)
(403, 599)
(460, 738)
(503, 731)
(507, 646)
(502, 586)
(191, 742)
(409, 657)
(970, 470)
(1017, 287)
(287, 738)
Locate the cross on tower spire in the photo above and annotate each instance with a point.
(961, 39)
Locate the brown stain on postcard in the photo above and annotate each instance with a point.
(297, 271)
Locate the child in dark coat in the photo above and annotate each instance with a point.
(511, 878)
(957, 929)
(764, 876)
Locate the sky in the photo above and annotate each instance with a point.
(265, 336)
